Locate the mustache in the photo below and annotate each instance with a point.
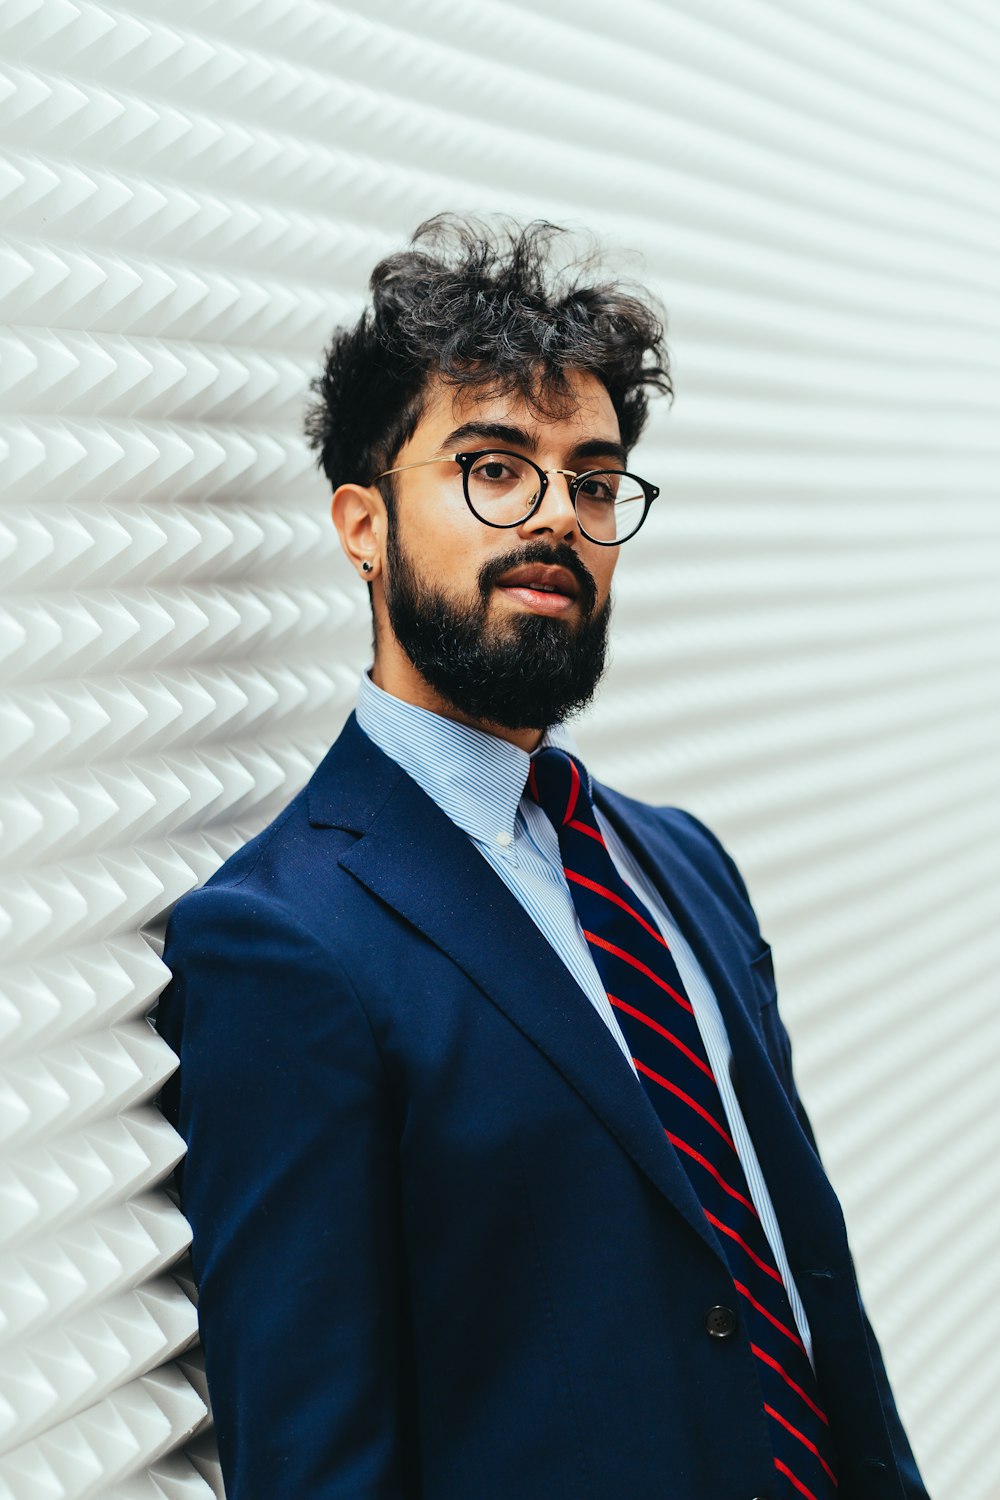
(560, 556)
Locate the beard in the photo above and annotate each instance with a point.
(524, 672)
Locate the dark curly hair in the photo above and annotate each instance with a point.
(479, 305)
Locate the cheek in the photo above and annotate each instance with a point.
(445, 546)
(601, 563)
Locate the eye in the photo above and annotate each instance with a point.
(602, 488)
(493, 470)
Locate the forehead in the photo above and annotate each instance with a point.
(586, 410)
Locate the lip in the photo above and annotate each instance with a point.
(543, 579)
(537, 600)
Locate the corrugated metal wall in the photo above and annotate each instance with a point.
(808, 630)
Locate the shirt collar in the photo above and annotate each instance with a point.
(475, 778)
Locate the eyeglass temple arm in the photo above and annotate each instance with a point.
(443, 458)
(447, 458)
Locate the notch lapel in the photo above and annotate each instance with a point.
(411, 856)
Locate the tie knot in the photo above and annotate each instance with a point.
(557, 784)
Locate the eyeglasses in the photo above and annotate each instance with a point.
(504, 489)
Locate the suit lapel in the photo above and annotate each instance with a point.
(412, 857)
(812, 1223)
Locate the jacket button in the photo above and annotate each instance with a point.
(720, 1322)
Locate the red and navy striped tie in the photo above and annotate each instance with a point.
(658, 1023)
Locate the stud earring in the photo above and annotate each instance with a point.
(366, 566)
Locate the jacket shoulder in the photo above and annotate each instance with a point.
(674, 832)
(705, 848)
(278, 868)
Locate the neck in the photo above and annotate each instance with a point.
(402, 680)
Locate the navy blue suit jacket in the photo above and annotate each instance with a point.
(443, 1248)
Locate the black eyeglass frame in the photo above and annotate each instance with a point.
(466, 460)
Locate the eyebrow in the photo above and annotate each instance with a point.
(518, 437)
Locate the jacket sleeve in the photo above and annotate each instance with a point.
(913, 1485)
(290, 1186)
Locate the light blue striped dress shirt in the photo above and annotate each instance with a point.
(478, 781)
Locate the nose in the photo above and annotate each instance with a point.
(555, 514)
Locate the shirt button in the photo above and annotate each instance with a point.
(720, 1322)
(503, 839)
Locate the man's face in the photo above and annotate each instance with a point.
(508, 626)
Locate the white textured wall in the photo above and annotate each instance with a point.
(808, 628)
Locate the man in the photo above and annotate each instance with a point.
(498, 1178)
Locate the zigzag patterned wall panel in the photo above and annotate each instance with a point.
(806, 642)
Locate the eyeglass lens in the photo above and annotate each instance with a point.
(502, 488)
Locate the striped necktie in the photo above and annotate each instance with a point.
(658, 1023)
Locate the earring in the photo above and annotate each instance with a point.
(366, 566)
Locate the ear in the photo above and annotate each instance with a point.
(359, 515)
